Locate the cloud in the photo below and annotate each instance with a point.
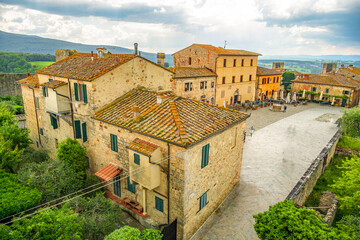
(132, 12)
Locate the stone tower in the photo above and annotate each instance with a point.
(329, 67)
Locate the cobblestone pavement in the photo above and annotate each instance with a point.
(274, 159)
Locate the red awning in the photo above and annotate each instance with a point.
(108, 172)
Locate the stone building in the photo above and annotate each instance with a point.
(235, 69)
(166, 159)
(195, 83)
(335, 88)
(349, 71)
(267, 83)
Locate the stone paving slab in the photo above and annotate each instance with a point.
(274, 159)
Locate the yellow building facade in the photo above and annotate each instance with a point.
(267, 83)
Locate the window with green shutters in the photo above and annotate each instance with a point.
(53, 122)
(84, 133)
(113, 140)
(117, 186)
(131, 187)
(84, 93)
(77, 129)
(159, 204)
(41, 131)
(137, 158)
(76, 91)
(203, 201)
(205, 156)
(50, 79)
(44, 91)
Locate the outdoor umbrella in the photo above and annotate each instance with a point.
(281, 94)
(303, 96)
(275, 95)
(288, 98)
(333, 101)
(321, 95)
(294, 97)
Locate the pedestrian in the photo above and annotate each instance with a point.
(285, 107)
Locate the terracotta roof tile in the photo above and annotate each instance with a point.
(80, 66)
(179, 120)
(330, 79)
(142, 146)
(187, 72)
(54, 84)
(261, 71)
(223, 51)
(108, 172)
(32, 81)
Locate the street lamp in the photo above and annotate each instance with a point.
(252, 130)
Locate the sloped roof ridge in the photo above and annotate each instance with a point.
(179, 124)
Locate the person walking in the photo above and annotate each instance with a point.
(285, 107)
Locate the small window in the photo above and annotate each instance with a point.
(50, 79)
(212, 84)
(205, 156)
(223, 80)
(242, 62)
(113, 140)
(189, 60)
(205, 84)
(203, 201)
(268, 80)
(346, 92)
(77, 129)
(250, 78)
(45, 92)
(37, 105)
(159, 204)
(187, 87)
(41, 131)
(327, 90)
(131, 187)
(234, 62)
(191, 86)
(201, 85)
(233, 79)
(251, 62)
(274, 79)
(54, 122)
(80, 92)
(136, 158)
(224, 62)
(241, 78)
(313, 89)
(277, 79)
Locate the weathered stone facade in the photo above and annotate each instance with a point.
(8, 85)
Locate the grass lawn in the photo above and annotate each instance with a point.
(349, 143)
(40, 64)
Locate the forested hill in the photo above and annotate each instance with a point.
(10, 42)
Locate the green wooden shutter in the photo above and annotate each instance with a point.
(131, 187)
(191, 86)
(113, 139)
(76, 91)
(44, 91)
(137, 158)
(55, 123)
(77, 129)
(159, 204)
(84, 93)
(117, 186)
(84, 133)
(205, 156)
(50, 79)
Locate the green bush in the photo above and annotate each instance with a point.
(351, 225)
(73, 154)
(349, 143)
(15, 197)
(54, 179)
(124, 233)
(350, 122)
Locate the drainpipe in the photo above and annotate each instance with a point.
(168, 178)
(215, 81)
(36, 115)
(71, 108)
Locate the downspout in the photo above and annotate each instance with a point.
(168, 178)
(36, 115)
(215, 80)
(71, 108)
(156, 164)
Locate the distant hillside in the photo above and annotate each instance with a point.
(10, 42)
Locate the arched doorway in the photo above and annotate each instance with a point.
(236, 97)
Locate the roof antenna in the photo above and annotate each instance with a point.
(225, 44)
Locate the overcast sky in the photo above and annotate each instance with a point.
(270, 27)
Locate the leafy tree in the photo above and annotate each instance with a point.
(9, 158)
(129, 233)
(19, 137)
(101, 216)
(6, 116)
(286, 80)
(31, 155)
(15, 197)
(350, 122)
(351, 225)
(285, 221)
(55, 223)
(54, 179)
(124, 233)
(73, 154)
(347, 187)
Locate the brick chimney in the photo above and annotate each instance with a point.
(160, 59)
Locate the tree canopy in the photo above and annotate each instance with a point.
(350, 122)
(130, 233)
(286, 80)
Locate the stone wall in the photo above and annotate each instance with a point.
(305, 185)
(8, 85)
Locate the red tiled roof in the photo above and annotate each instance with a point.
(108, 172)
(53, 84)
(330, 79)
(32, 81)
(80, 66)
(187, 72)
(223, 51)
(261, 71)
(178, 120)
(142, 146)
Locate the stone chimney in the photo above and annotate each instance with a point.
(306, 76)
(135, 48)
(160, 59)
(136, 110)
(63, 53)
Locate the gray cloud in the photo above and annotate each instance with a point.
(128, 12)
